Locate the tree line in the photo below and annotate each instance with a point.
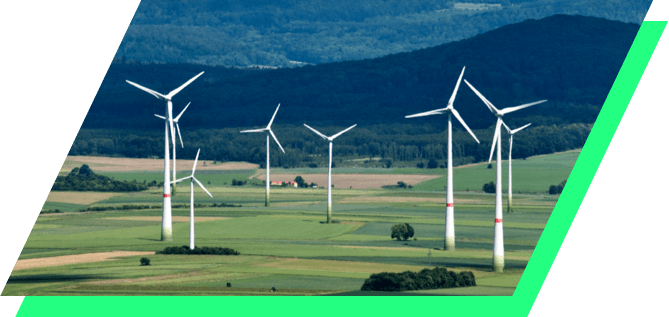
(391, 143)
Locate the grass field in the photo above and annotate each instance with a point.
(286, 246)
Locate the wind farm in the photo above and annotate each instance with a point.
(391, 184)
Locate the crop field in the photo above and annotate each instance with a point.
(286, 246)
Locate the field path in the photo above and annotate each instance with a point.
(74, 259)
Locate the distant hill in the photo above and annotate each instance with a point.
(287, 33)
(570, 60)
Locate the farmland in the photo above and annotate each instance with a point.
(287, 245)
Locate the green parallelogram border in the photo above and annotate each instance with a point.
(517, 305)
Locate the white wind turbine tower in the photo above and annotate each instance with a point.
(509, 200)
(175, 121)
(166, 232)
(498, 240)
(192, 201)
(268, 131)
(330, 139)
(449, 232)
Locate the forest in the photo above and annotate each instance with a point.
(290, 33)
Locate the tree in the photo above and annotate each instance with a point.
(389, 163)
(552, 190)
(489, 188)
(401, 231)
(85, 170)
(432, 163)
(144, 261)
(420, 165)
(300, 181)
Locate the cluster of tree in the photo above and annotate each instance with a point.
(431, 164)
(556, 190)
(402, 184)
(197, 250)
(394, 142)
(84, 179)
(439, 277)
(279, 33)
(489, 188)
(556, 58)
(49, 211)
(238, 182)
(144, 261)
(401, 231)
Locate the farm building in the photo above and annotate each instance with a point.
(280, 183)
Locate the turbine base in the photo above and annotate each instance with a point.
(166, 234)
(498, 263)
(449, 244)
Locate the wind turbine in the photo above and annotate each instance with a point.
(498, 240)
(166, 232)
(175, 121)
(268, 131)
(192, 205)
(509, 201)
(330, 139)
(449, 232)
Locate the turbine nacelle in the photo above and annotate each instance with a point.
(192, 176)
(330, 138)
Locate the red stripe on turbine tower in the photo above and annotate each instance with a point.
(449, 205)
(166, 195)
(498, 220)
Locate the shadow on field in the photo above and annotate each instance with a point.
(50, 278)
(147, 239)
(373, 293)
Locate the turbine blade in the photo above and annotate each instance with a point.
(523, 127)
(512, 109)
(312, 129)
(181, 140)
(159, 116)
(485, 101)
(423, 114)
(256, 130)
(277, 141)
(342, 132)
(272, 120)
(507, 127)
(198, 182)
(195, 163)
(152, 92)
(457, 115)
(455, 91)
(182, 112)
(494, 141)
(176, 91)
(180, 179)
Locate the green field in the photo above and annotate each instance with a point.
(287, 246)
